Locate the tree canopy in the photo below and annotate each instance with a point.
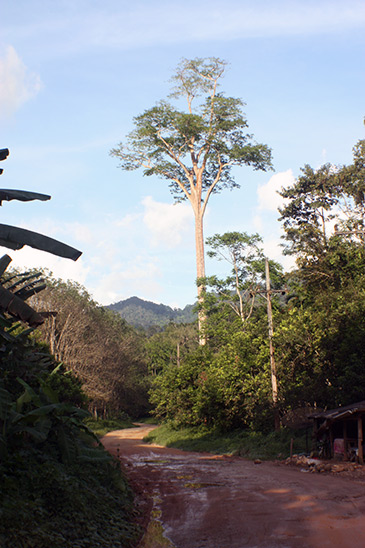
(194, 149)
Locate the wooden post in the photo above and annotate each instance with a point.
(345, 440)
(314, 436)
(332, 451)
(274, 382)
(178, 354)
(360, 454)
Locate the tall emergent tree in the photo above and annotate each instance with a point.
(194, 149)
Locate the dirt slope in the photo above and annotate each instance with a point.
(195, 500)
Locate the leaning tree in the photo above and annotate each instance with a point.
(194, 148)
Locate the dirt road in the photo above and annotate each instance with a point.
(197, 500)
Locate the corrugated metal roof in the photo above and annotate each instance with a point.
(341, 412)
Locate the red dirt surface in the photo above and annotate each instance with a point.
(206, 501)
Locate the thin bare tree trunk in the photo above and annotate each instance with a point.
(274, 382)
(200, 272)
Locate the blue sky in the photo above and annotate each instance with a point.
(74, 74)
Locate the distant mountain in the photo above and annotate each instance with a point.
(145, 314)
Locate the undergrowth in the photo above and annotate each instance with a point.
(59, 488)
(47, 503)
(100, 427)
(251, 445)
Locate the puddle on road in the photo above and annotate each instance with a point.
(185, 476)
(201, 485)
(155, 461)
(154, 536)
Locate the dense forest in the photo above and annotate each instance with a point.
(319, 331)
(317, 318)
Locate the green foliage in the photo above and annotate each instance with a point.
(180, 405)
(68, 385)
(241, 291)
(227, 389)
(247, 444)
(228, 383)
(58, 487)
(241, 381)
(310, 206)
(41, 416)
(320, 341)
(320, 350)
(170, 346)
(211, 135)
(318, 200)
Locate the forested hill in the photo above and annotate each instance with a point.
(145, 314)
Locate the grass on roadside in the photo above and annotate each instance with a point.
(251, 445)
(100, 427)
(148, 420)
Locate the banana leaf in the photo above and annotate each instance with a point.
(15, 238)
(21, 195)
(4, 153)
(22, 278)
(18, 308)
(5, 260)
(25, 292)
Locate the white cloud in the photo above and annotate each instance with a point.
(27, 258)
(265, 217)
(139, 278)
(17, 83)
(80, 234)
(128, 220)
(274, 251)
(268, 197)
(167, 223)
(257, 223)
(116, 261)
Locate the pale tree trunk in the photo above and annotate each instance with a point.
(200, 272)
(274, 381)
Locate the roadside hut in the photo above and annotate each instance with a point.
(341, 431)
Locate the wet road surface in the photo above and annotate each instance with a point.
(197, 500)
